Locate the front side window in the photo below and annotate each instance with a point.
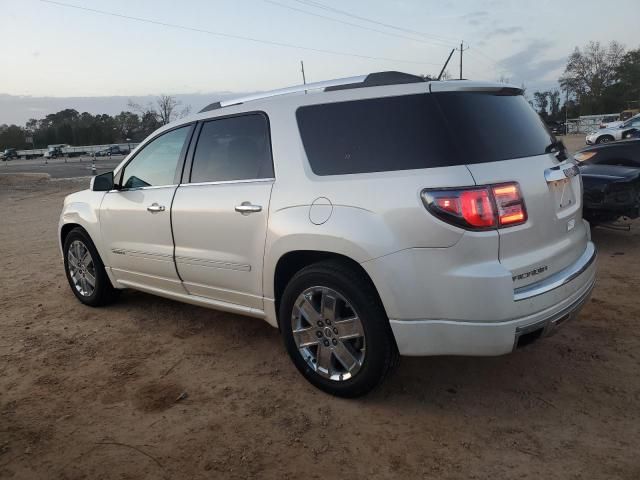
(156, 163)
(233, 148)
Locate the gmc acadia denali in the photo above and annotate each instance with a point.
(366, 218)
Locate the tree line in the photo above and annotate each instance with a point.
(73, 128)
(596, 80)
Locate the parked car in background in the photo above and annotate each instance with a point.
(611, 180)
(112, 150)
(54, 151)
(625, 153)
(633, 133)
(353, 218)
(557, 128)
(606, 135)
(8, 154)
(626, 114)
(610, 121)
(610, 192)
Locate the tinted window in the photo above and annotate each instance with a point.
(489, 127)
(235, 148)
(419, 131)
(156, 163)
(396, 133)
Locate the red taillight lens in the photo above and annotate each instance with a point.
(477, 208)
(480, 208)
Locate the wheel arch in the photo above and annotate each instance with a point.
(293, 261)
(610, 137)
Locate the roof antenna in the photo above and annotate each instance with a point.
(446, 63)
(304, 79)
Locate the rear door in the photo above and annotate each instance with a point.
(220, 211)
(505, 140)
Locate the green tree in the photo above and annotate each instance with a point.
(590, 72)
(541, 101)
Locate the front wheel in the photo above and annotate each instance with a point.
(336, 330)
(605, 139)
(85, 271)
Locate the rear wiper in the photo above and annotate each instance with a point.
(557, 147)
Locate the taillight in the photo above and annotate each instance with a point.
(509, 204)
(481, 208)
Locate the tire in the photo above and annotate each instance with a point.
(359, 355)
(605, 139)
(80, 275)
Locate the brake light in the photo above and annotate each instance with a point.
(481, 208)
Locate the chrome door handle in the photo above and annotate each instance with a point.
(154, 207)
(245, 208)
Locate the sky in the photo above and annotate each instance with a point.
(199, 49)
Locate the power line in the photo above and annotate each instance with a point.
(439, 44)
(313, 3)
(231, 35)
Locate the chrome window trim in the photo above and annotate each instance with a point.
(558, 279)
(228, 182)
(150, 187)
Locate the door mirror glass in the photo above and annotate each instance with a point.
(102, 183)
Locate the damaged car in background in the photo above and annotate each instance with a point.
(611, 180)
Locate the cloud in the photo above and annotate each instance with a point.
(475, 18)
(528, 66)
(504, 31)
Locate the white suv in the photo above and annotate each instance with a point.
(365, 218)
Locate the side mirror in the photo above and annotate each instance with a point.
(102, 183)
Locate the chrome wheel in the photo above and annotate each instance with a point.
(328, 333)
(81, 268)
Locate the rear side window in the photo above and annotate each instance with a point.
(373, 135)
(419, 131)
(233, 148)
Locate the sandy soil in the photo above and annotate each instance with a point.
(150, 388)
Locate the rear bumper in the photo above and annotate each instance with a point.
(455, 337)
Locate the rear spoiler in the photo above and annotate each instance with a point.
(471, 86)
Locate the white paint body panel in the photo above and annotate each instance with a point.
(138, 243)
(446, 290)
(219, 252)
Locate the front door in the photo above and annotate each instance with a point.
(135, 220)
(220, 214)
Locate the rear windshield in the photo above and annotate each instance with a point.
(419, 131)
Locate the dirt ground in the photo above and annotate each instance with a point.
(150, 388)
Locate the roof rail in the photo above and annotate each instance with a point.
(371, 80)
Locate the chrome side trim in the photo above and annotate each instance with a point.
(558, 279)
(141, 254)
(201, 262)
(228, 182)
(294, 89)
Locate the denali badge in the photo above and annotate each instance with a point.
(524, 275)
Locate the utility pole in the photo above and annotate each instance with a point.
(304, 79)
(462, 49)
(446, 63)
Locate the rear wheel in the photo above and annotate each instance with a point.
(336, 330)
(605, 139)
(85, 271)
